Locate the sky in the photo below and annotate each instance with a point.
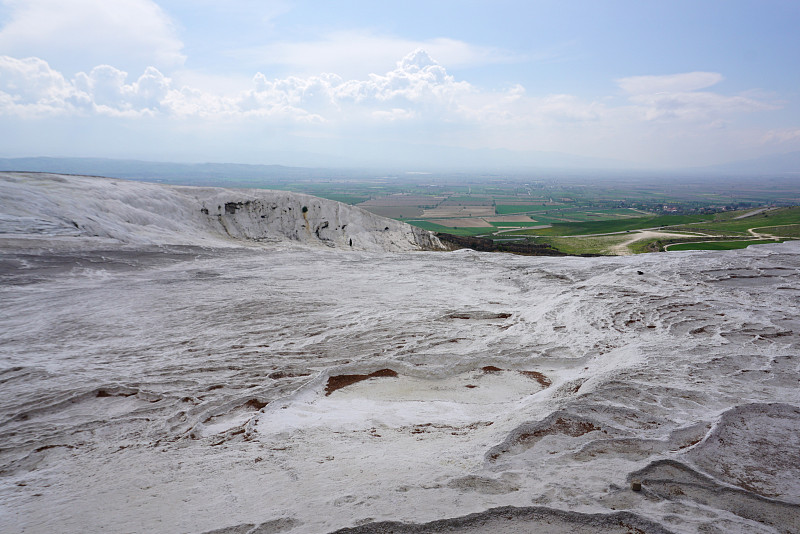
(417, 84)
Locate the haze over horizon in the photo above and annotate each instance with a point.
(611, 84)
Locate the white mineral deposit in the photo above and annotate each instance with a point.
(192, 360)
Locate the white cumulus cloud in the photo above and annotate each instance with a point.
(79, 34)
(417, 87)
(30, 87)
(355, 54)
(108, 90)
(679, 97)
(417, 79)
(31, 80)
(417, 99)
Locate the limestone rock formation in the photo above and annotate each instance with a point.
(144, 213)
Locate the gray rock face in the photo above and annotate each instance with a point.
(143, 213)
(262, 215)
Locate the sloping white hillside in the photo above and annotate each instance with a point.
(144, 213)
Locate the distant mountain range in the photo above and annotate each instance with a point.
(475, 161)
(245, 175)
(209, 174)
(427, 159)
(787, 163)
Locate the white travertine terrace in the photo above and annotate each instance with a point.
(167, 370)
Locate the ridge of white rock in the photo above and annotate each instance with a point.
(145, 213)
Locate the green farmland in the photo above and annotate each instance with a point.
(612, 226)
(507, 209)
(466, 231)
(579, 215)
(720, 245)
(730, 223)
(787, 230)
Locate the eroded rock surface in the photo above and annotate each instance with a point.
(36, 204)
(167, 377)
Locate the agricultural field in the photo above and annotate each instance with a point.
(601, 244)
(401, 206)
(735, 222)
(503, 209)
(576, 215)
(612, 225)
(460, 211)
(473, 222)
(467, 231)
(786, 230)
(511, 219)
(720, 245)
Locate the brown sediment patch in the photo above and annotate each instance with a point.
(277, 375)
(46, 447)
(528, 434)
(431, 427)
(249, 406)
(570, 387)
(478, 315)
(230, 434)
(539, 377)
(690, 443)
(255, 404)
(543, 380)
(115, 392)
(342, 381)
(569, 427)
